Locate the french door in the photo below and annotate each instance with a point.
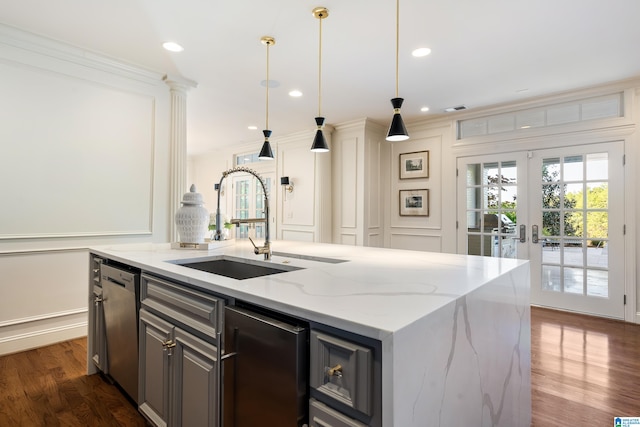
(562, 209)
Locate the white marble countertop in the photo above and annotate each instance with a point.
(375, 293)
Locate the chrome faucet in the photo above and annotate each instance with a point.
(258, 250)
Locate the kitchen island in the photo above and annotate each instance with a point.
(454, 330)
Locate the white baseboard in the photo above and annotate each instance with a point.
(31, 333)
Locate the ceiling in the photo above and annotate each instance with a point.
(483, 53)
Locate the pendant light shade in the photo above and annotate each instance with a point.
(397, 130)
(266, 153)
(319, 143)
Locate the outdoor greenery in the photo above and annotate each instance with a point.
(572, 208)
(597, 221)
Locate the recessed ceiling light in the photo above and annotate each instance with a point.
(420, 52)
(424, 109)
(295, 93)
(252, 127)
(172, 47)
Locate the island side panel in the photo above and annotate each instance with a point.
(469, 363)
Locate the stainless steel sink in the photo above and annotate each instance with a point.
(236, 268)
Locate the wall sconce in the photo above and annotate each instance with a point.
(288, 185)
(217, 188)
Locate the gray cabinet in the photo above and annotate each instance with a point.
(178, 375)
(178, 355)
(344, 380)
(98, 337)
(195, 382)
(322, 416)
(97, 343)
(156, 335)
(342, 371)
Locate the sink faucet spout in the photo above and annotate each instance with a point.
(266, 249)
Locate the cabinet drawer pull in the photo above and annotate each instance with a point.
(168, 346)
(336, 371)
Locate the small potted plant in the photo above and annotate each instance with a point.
(226, 231)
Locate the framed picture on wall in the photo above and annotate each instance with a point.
(414, 165)
(414, 202)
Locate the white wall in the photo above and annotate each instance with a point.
(304, 214)
(84, 154)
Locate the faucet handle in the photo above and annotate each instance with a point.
(256, 250)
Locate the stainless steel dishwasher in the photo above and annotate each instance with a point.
(121, 296)
(265, 371)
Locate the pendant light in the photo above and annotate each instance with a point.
(319, 143)
(265, 152)
(397, 131)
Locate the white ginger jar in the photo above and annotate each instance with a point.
(192, 219)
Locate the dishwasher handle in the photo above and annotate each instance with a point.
(220, 358)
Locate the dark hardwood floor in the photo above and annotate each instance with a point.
(49, 387)
(584, 372)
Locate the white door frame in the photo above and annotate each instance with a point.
(624, 134)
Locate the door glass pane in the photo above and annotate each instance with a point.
(573, 168)
(242, 206)
(573, 280)
(598, 254)
(597, 195)
(491, 209)
(551, 278)
(551, 196)
(509, 171)
(490, 173)
(597, 225)
(597, 283)
(575, 224)
(551, 170)
(550, 250)
(597, 166)
(474, 177)
(493, 197)
(474, 198)
(573, 196)
(572, 252)
(473, 221)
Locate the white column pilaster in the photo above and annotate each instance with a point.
(178, 143)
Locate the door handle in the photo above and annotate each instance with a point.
(523, 233)
(534, 234)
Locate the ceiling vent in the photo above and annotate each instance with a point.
(457, 108)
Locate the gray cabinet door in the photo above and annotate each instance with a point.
(154, 369)
(195, 397)
(99, 339)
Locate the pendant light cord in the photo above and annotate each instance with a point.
(320, 70)
(397, 43)
(267, 84)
